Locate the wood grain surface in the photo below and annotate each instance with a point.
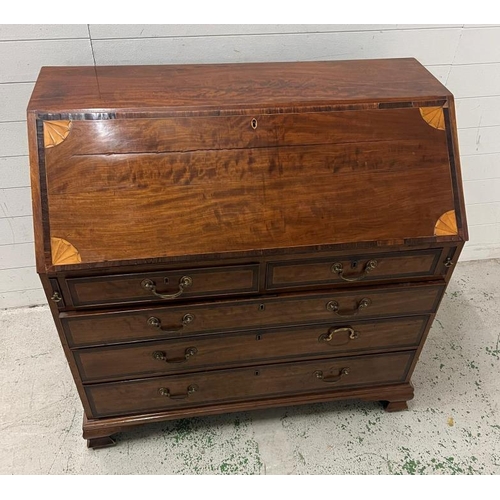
(259, 347)
(115, 193)
(268, 188)
(96, 427)
(155, 135)
(127, 288)
(320, 270)
(246, 383)
(199, 86)
(102, 328)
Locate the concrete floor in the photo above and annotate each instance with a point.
(452, 426)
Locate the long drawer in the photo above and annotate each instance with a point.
(102, 328)
(219, 386)
(207, 352)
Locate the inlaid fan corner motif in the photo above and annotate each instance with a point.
(54, 132)
(434, 117)
(446, 225)
(63, 252)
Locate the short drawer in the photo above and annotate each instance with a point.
(203, 389)
(98, 328)
(200, 353)
(351, 269)
(164, 286)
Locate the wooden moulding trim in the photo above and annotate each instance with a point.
(446, 225)
(54, 132)
(293, 108)
(434, 116)
(63, 252)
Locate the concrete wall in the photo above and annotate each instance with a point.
(466, 58)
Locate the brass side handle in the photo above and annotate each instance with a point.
(331, 379)
(164, 391)
(56, 297)
(334, 307)
(338, 268)
(162, 356)
(448, 262)
(150, 286)
(332, 332)
(155, 322)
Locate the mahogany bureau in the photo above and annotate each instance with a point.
(219, 238)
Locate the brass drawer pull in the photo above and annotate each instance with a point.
(150, 286)
(327, 337)
(334, 306)
(331, 380)
(162, 356)
(155, 322)
(339, 269)
(164, 391)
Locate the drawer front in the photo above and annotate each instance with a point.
(200, 389)
(164, 286)
(180, 321)
(352, 269)
(199, 353)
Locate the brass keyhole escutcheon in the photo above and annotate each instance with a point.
(253, 123)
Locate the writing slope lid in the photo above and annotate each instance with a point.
(159, 187)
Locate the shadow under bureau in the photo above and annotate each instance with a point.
(219, 238)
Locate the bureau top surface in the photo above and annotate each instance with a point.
(217, 86)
